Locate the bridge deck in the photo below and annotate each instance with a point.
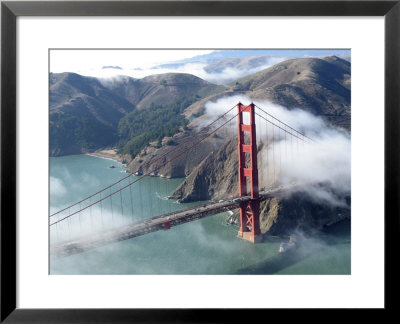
(156, 223)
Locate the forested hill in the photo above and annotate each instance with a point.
(85, 112)
(140, 127)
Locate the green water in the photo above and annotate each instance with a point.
(206, 246)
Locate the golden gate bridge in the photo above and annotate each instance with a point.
(115, 213)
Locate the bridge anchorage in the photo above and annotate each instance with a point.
(248, 175)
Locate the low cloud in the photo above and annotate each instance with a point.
(91, 220)
(321, 156)
(57, 188)
(226, 75)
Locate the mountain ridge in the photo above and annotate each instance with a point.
(319, 85)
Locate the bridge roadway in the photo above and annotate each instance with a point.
(156, 223)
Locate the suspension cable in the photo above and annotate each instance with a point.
(148, 173)
(284, 123)
(279, 127)
(147, 164)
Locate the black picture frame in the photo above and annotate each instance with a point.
(10, 10)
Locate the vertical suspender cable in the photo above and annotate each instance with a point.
(101, 212)
(273, 152)
(130, 196)
(112, 211)
(80, 221)
(268, 146)
(90, 213)
(122, 206)
(140, 199)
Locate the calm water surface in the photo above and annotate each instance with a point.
(206, 246)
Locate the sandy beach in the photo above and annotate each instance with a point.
(109, 154)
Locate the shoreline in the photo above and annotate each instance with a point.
(109, 155)
(112, 155)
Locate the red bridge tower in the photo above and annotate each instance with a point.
(248, 172)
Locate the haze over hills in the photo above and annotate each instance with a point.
(220, 55)
(224, 66)
(243, 63)
(221, 71)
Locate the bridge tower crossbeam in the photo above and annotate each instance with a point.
(250, 210)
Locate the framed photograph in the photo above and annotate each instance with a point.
(195, 153)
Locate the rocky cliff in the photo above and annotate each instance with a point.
(216, 178)
(280, 216)
(183, 163)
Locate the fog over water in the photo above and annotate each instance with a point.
(207, 246)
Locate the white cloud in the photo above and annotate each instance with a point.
(287, 159)
(141, 63)
(90, 62)
(57, 188)
(226, 75)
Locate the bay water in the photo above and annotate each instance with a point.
(207, 246)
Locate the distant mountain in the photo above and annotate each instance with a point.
(346, 57)
(160, 88)
(224, 66)
(219, 55)
(111, 67)
(290, 53)
(242, 63)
